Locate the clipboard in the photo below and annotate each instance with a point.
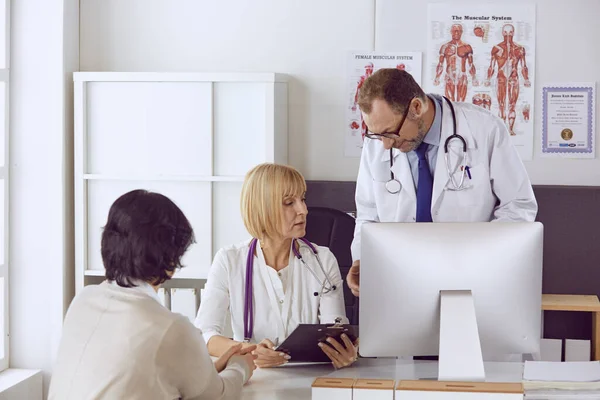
(302, 344)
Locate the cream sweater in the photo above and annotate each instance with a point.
(121, 343)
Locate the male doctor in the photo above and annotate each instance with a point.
(404, 175)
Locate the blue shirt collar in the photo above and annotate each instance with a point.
(432, 137)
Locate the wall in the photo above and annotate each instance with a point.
(309, 40)
(306, 39)
(566, 51)
(44, 46)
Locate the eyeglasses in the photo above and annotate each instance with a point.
(391, 135)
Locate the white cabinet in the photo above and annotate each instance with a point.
(189, 136)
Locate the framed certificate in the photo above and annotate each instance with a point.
(568, 120)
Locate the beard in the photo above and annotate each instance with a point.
(414, 144)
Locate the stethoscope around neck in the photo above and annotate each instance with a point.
(393, 186)
(326, 285)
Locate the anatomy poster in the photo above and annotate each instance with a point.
(485, 55)
(360, 67)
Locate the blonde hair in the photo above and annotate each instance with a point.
(265, 187)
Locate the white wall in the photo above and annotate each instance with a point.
(566, 51)
(306, 39)
(309, 40)
(44, 53)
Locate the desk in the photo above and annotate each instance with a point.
(578, 303)
(293, 382)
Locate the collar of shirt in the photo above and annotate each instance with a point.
(141, 287)
(432, 137)
(260, 255)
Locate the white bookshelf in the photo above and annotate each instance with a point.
(189, 136)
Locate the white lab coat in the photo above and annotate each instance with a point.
(277, 312)
(500, 189)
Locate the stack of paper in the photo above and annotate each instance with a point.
(561, 380)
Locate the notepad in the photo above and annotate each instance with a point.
(550, 371)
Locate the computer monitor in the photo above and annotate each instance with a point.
(481, 283)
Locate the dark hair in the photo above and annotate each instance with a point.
(395, 86)
(144, 238)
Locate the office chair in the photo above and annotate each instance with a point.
(335, 229)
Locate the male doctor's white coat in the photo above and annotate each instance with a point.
(499, 188)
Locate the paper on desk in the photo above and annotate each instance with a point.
(561, 395)
(574, 371)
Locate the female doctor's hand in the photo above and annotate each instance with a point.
(267, 357)
(341, 357)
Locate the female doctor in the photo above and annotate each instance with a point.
(275, 281)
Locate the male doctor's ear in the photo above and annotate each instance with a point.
(416, 108)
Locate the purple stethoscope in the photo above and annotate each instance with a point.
(326, 285)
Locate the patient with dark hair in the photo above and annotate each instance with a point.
(118, 341)
(144, 239)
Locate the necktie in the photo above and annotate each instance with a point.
(425, 185)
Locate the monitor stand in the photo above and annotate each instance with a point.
(460, 348)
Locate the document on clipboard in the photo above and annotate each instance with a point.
(302, 344)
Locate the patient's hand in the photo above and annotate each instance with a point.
(353, 278)
(341, 357)
(267, 357)
(238, 349)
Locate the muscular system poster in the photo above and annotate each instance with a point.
(360, 67)
(485, 55)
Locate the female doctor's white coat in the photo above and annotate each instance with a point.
(281, 300)
(499, 188)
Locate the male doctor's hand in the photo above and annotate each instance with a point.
(339, 355)
(238, 349)
(353, 278)
(267, 357)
